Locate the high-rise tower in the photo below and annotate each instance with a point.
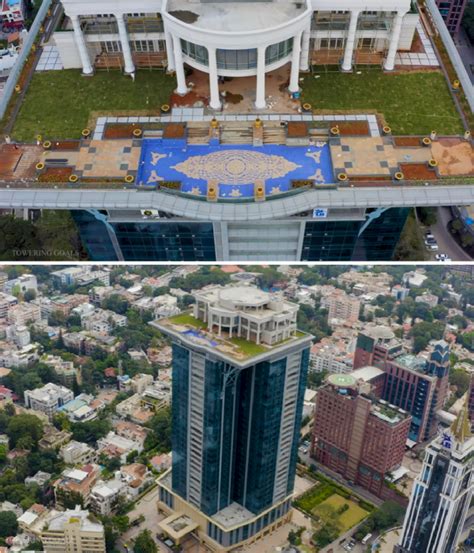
(442, 492)
(239, 374)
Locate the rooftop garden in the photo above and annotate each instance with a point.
(59, 104)
(411, 103)
(237, 347)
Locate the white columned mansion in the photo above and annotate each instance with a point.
(233, 38)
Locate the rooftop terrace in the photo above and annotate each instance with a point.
(187, 327)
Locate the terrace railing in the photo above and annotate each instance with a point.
(25, 52)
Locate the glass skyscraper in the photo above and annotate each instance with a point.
(239, 375)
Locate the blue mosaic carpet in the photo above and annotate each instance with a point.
(234, 168)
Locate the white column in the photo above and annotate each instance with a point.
(180, 76)
(260, 102)
(127, 53)
(87, 68)
(304, 60)
(295, 64)
(394, 40)
(215, 102)
(170, 52)
(350, 41)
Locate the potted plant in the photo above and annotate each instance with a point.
(129, 179)
(40, 166)
(165, 108)
(342, 177)
(399, 175)
(47, 144)
(387, 130)
(137, 133)
(433, 163)
(307, 106)
(73, 178)
(86, 132)
(426, 141)
(335, 130)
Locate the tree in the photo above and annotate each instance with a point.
(461, 379)
(145, 543)
(22, 426)
(8, 524)
(116, 303)
(160, 435)
(29, 295)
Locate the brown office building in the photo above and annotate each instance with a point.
(358, 436)
(375, 346)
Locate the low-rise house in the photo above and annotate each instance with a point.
(140, 382)
(39, 479)
(105, 496)
(33, 520)
(8, 506)
(53, 438)
(77, 453)
(76, 483)
(161, 462)
(131, 431)
(133, 409)
(79, 409)
(65, 370)
(114, 445)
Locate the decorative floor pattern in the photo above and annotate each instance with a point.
(49, 60)
(235, 168)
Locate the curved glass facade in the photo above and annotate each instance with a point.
(195, 52)
(237, 59)
(276, 52)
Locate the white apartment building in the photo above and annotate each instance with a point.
(19, 335)
(327, 357)
(23, 283)
(73, 531)
(240, 38)
(48, 398)
(77, 453)
(246, 312)
(102, 321)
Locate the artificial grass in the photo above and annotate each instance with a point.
(348, 519)
(58, 103)
(249, 348)
(186, 319)
(412, 102)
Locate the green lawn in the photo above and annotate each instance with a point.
(58, 103)
(249, 348)
(348, 518)
(412, 103)
(186, 319)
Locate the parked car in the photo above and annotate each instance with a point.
(442, 257)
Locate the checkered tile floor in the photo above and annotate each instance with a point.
(49, 60)
(426, 59)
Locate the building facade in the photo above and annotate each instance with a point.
(236, 410)
(343, 235)
(452, 12)
(375, 346)
(442, 493)
(361, 438)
